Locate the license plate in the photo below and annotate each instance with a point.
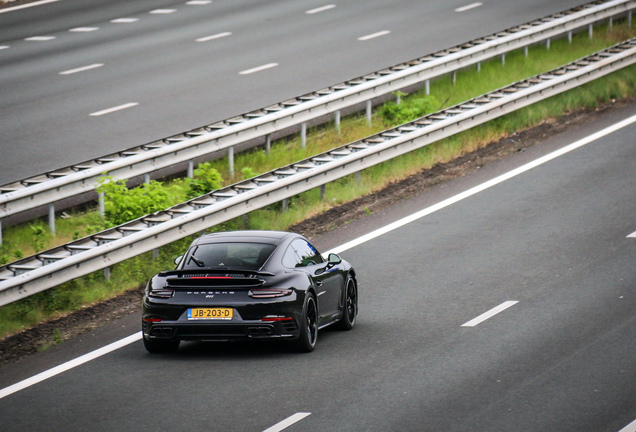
(210, 313)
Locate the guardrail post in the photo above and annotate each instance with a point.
(547, 43)
(230, 160)
(52, 218)
(525, 51)
(107, 273)
(155, 254)
(337, 120)
(398, 99)
(101, 204)
(190, 173)
(478, 66)
(268, 144)
(147, 178)
(245, 221)
(358, 177)
(369, 112)
(285, 205)
(453, 77)
(0, 232)
(590, 31)
(427, 87)
(303, 135)
(503, 59)
(570, 37)
(629, 19)
(322, 192)
(611, 22)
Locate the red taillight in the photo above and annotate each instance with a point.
(276, 318)
(161, 293)
(152, 320)
(269, 293)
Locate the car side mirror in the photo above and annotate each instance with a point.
(333, 259)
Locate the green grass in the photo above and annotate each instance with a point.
(26, 239)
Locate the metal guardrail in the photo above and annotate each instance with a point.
(70, 181)
(102, 250)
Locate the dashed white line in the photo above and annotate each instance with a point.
(629, 428)
(216, 36)
(113, 109)
(84, 29)
(124, 20)
(163, 11)
(632, 235)
(198, 2)
(38, 3)
(4, 47)
(40, 38)
(374, 35)
(81, 69)
(258, 69)
(468, 7)
(320, 9)
(287, 422)
(491, 313)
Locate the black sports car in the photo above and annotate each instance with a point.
(249, 285)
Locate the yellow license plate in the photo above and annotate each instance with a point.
(210, 313)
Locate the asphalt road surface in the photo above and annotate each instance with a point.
(81, 79)
(547, 254)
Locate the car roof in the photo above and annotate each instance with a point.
(273, 237)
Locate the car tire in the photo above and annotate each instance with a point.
(308, 336)
(159, 346)
(350, 309)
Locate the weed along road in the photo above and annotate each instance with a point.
(83, 79)
(502, 300)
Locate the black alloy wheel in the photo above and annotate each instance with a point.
(308, 336)
(350, 310)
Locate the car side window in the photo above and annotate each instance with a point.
(307, 254)
(290, 259)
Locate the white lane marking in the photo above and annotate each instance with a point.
(632, 235)
(69, 365)
(468, 7)
(258, 69)
(163, 11)
(216, 36)
(28, 5)
(479, 188)
(124, 20)
(40, 38)
(113, 109)
(4, 47)
(81, 69)
(491, 313)
(374, 35)
(84, 29)
(629, 428)
(287, 422)
(320, 9)
(199, 2)
(421, 214)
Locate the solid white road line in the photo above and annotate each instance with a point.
(491, 313)
(163, 11)
(425, 212)
(69, 365)
(629, 428)
(287, 422)
(320, 9)
(374, 35)
(216, 36)
(468, 7)
(258, 69)
(482, 187)
(113, 109)
(81, 69)
(28, 5)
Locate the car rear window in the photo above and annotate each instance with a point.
(250, 256)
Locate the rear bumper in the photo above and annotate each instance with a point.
(171, 330)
